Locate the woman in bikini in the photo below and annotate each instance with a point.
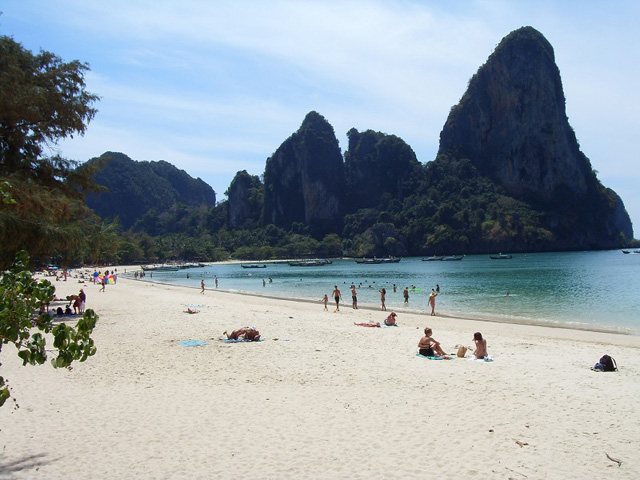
(428, 346)
(481, 346)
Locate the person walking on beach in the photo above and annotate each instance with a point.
(337, 296)
(432, 301)
(325, 299)
(103, 281)
(383, 295)
(405, 292)
(354, 297)
(202, 286)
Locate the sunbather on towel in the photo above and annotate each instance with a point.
(428, 346)
(249, 334)
(481, 346)
(370, 324)
(390, 321)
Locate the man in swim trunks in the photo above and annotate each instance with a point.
(428, 346)
(354, 297)
(406, 295)
(337, 296)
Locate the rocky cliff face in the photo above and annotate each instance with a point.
(245, 200)
(304, 178)
(512, 124)
(133, 188)
(376, 164)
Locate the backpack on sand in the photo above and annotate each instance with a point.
(606, 364)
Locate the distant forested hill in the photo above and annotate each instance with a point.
(137, 188)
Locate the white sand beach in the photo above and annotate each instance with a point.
(319, 398)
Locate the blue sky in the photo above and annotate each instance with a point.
(215, 87)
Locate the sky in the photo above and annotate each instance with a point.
(214, 87)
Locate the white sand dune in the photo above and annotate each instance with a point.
(319, 398)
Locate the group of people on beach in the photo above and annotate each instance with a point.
(337, 296)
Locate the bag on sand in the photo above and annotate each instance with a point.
(606, 364)
(462, 351)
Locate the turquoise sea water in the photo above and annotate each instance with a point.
(580, 289)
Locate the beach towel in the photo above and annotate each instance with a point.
(192, 343)
(444, 357)
(195, 306)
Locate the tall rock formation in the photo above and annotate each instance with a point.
(304, 179)
(245, 200)
(376, 164)
(512, 124)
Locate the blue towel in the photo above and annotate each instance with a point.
(192, 343)
(445, 357)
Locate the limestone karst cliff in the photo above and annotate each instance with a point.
(304, 178)
(245, 201)
(512, 124)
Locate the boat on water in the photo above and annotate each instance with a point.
(253, 265)
(452, 258)
(501, 256)
(160, 268)
(310, 263)
(375, 260)
(635, 252)
(434, 258)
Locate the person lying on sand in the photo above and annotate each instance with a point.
(390, 321)
(481, 346)
(370, 324)
(428, 346)
(249, 334)
(191, 310)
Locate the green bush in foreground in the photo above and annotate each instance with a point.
(24, 325)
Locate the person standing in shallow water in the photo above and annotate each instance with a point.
(405, 292)
(432, 301)
(354, 297)
(383, 296)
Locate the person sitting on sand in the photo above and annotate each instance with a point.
(390, 321)
(191, 310)
(428, 346)
(369, 324)
(248, 334)
(481, 346)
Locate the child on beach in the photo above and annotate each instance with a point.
(325, 299)
(481, 346)
(428, 346)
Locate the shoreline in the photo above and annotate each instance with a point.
(461, 316)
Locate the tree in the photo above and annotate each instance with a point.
(21, 312)
(42, 100)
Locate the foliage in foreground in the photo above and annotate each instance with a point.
(23, 324)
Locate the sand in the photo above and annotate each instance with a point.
(319, 398)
